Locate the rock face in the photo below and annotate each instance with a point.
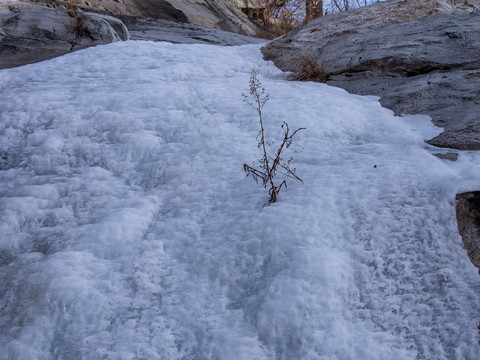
(468, 219)
(36, 30)
(37, 33)
(208, 13)
(159, 9)
(418, 56)
(181, 33)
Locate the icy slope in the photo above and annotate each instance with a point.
(129, 231)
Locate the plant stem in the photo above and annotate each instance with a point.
(273, 195)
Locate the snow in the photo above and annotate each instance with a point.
(129, 230)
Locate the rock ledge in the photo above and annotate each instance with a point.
(420, 57)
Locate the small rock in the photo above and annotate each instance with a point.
(448, 156)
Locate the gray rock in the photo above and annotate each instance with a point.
(448, 156)
(38, 33)
(419, 57)
(468, 220)
(178, 33)
(31, 33)
(207, 13)
(117, 28)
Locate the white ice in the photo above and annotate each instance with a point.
(128, 229)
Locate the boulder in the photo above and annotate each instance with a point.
(36, 30)
(418, 56)
(468, 220)
(37, 33)
(207, 13)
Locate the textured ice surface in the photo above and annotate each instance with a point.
(129, 231)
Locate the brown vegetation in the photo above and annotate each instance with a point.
(308, 69)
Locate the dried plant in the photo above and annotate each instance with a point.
(308, 69)
(269, 165)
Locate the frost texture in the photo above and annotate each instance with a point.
(130, 232)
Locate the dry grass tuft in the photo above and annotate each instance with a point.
(308, 69)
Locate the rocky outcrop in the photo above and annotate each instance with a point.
(468, 219)
(418, 56)
(36, 30)
(181, 33)
(158, 9)
(37, 33)
(207, 13)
